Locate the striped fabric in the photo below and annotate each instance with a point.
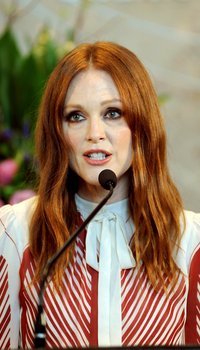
(5, 311)
(68, 311)
(193, 306)
(147, 317)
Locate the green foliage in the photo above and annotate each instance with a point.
(22, 80)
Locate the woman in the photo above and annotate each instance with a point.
(131, 277)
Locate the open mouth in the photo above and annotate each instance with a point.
(97, 156)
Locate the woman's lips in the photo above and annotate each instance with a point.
(97, 157)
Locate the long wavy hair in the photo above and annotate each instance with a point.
(155, 203)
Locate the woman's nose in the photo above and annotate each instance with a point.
(96, 130)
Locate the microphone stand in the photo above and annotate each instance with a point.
(40, 325)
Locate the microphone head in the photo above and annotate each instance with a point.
(107, 178)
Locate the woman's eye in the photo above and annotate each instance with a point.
(74, 117)
(113, 113)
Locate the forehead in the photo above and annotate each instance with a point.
(93, 82)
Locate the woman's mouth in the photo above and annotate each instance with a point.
(97, 157)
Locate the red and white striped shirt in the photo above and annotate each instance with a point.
(105, 298)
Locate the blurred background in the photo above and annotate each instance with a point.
(165, 35)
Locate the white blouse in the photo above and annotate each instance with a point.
(129, 311)
(108, 252)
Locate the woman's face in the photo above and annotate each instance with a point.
(95, 127)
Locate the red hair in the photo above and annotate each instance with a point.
(155, 203)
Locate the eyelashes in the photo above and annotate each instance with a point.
(111, 113)
(74, 117)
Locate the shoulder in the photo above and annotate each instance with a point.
(15, 219)
(21, 211)
(190, 241)
(193, 259)
(192, 227)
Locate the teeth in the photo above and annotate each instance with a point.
(97, 156)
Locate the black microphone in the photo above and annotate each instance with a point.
(108, 181)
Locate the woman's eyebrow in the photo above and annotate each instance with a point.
(76, 106)
(110, 101)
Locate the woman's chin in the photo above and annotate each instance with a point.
(90, 184)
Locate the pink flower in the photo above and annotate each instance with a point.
(21, 195)
(8, 170)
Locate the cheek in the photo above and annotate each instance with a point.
(124, 139)
(126, 147)
(73, 140)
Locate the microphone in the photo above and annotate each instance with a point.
(108, 181)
